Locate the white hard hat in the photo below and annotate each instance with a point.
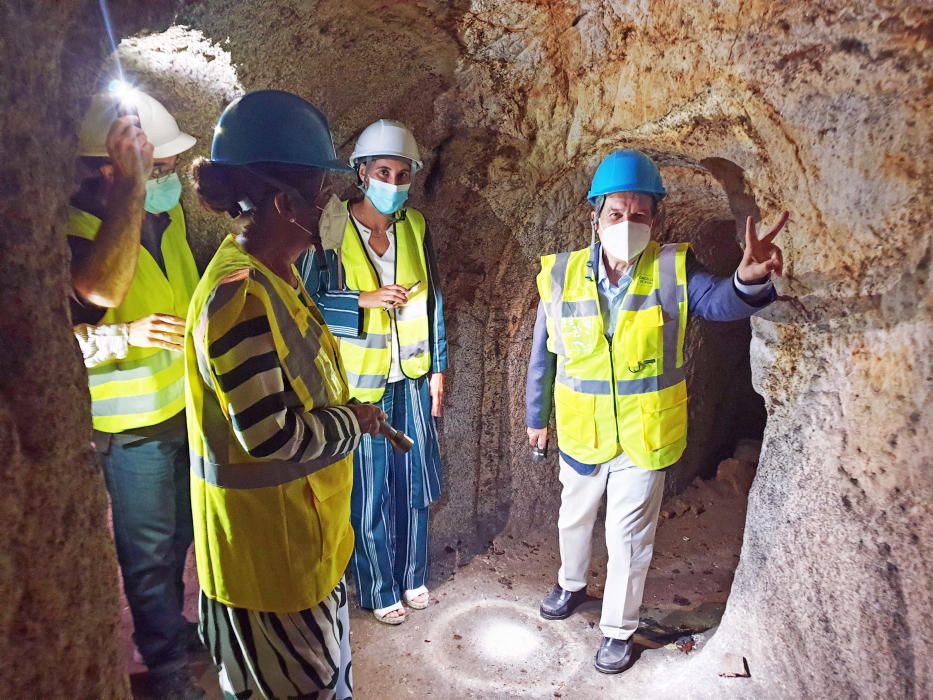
(160, 127)
(387, 137)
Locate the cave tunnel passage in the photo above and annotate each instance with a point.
(824, 106)
(482, 635)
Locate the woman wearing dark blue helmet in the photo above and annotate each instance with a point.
(271, 434)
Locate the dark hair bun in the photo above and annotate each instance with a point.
(215, 184)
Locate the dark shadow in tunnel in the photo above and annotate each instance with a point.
(732, 178)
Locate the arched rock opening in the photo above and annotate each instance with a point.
(821, 106)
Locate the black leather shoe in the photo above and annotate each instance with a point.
(614, 655)
(560, 604)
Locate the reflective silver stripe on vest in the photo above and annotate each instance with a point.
(366, 381)
(640, 302)
(256, 475)
(141, 403)
(407, 352)
(669, 296)
(301, 361)
(667, 266)
(595, 387)
(128, 370)
(631, 387)
(579, 309)
(558, 275)
(375, 341)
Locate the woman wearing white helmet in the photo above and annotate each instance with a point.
(378, 291)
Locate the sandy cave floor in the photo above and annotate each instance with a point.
(482, 637)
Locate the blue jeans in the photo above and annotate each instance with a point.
(150, 496)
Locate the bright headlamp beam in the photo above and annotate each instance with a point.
(108, 26)
(123, 91)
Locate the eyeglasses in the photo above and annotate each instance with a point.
(160, 171)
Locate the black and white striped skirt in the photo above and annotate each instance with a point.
(302, 655)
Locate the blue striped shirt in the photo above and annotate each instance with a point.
(341, 308)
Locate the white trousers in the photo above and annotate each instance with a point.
(633, 500)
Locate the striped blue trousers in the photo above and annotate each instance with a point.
(391, 495)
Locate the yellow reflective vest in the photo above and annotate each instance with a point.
(628, 393)
(147, 386)
(271, 536)
(367, 359)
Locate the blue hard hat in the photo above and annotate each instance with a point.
(272, 126)
(626, 171)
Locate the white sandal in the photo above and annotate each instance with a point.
(409, 598)
(381, 614)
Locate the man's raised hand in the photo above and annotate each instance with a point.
(129, 150)
(761, 256)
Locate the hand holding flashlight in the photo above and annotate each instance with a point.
(537, 438)
(369, 417)
(129, 150)
(399, 440)
(388, 297)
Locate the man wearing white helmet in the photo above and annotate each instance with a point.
(133, 275)
(378, 290)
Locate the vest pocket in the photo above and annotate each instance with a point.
(642, 341)
(576, 424)
(664, 416)
(331, 490)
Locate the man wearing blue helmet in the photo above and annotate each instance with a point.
(608, 348)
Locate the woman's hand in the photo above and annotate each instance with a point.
(388, 297)
(158, 331)
(368, 416)
(437, 394)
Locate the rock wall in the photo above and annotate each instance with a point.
(750, 107)
(58, 572)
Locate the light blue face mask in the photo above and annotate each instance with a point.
(387, 198)
(162, 194)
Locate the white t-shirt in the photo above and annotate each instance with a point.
(385, 271)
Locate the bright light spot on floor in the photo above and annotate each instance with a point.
(507, 641)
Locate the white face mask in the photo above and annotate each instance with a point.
(624, 241)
